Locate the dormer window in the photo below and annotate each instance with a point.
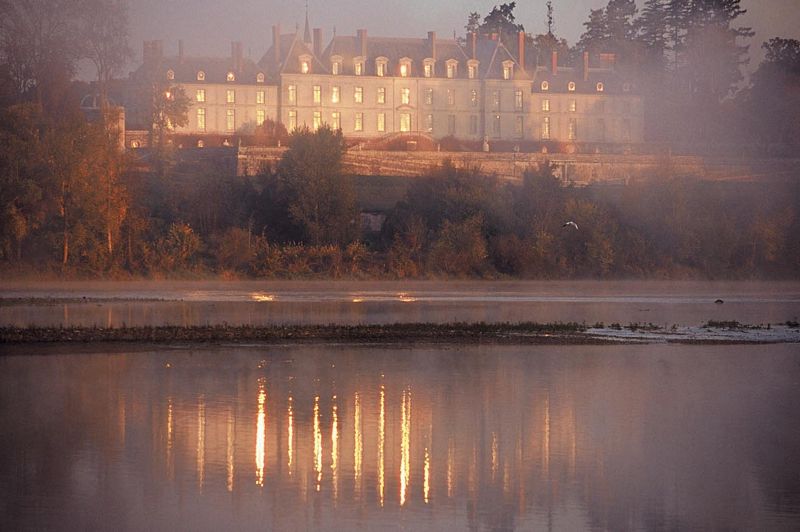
(170, 74)
(427, 68)
(358, 66)
(571, 86)
(201, 76)
(305, 64)
(260, 77)
(600, 87)
(231, 76)
(405, 67)
(545, 86)
(336, 65)
(452, 68)
(380, 66)
(508, 69)
(472, 69)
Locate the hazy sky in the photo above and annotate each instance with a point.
(208, 26)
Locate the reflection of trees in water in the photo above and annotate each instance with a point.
(548, 437)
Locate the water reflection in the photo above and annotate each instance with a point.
(485, 438)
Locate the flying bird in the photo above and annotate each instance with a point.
(573, 224)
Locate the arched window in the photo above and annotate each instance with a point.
(545, 86)
(231, 76)
(170, 74)
(260, 77)
(571, 86)
(600, 87)
(201, 76)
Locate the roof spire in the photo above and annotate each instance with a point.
(307, 31)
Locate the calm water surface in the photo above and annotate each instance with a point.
(342, 438)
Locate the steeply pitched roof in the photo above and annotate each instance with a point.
(291, 48)
(216, 70)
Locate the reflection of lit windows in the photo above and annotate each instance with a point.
(231, 76)
(405, 96)
(428, 96)
(545, 86)
(473, 125)
(572, 106)
(201, 119)
(359, 125)
(518, 100)
(292, 93)
(317, 92)
(200, 95)
(429, 123)
(201, 76)
(381, 95)
(451, 97)
(546, 105)
(381, 122)
(473, 98)
(571, 86)
(292, 120)
(335, 94)
(336, 120)
(260, 97)
(546, 128)
(405, 122)
(358, 95)
(572, 131)
(519, 126)
(317, 120)
(230, 96)
(260, 117)
(230, 120)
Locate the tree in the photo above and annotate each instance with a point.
(653, 33)
(612, 29)
(499, 21)
(105, 33)
(321, 197)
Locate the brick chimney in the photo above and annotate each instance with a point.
(432, 43)
(318, 42)
(473, 37)
(276, 43)
(362, 42)
(521, 46)
(555, 63)
(585, 66)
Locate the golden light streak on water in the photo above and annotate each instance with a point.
(405, 298)
(201, 441)
(494, 455)
(317, 445)
(335, 449)
(229, 452)
(358, 300)
(547, 435)
(451, 455)
(290, 437)
(358, 445)
(170, 437)
(506, 478)
(381, 446)
(261, 431)
(261, 296)
(405, 445)
(426, 477)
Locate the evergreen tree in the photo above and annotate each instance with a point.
(653, 33)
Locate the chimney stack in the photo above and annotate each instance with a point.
(521, 46)
(473, 37)
(555, 63)
(180, 51)
(276, 43)
(432, 44)
(585, 66)
(362, 42)
(318, 42)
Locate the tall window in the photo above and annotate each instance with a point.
(546, 128)
(292, 93)
(292, 120)
(317, 91)
(428, 96)
(428, 70)
(358, 68)
(230, 96)
(200, 95)
(519, 126)
(305, 67)
(335, 94)
(429, 123)
(317, 120)
(451, 124)
(201, 119)
(405, 122)
(260, 97)
(518, 100)
(546, 105)
(405, 69)
(451, 70)
(230, 120)
(496, 99)
(380, 68)
(359, 124)
(572, 106)
(381, 95)
(473, 125)
(508, 71)
(473, 98)
(472, 71)
(405, 95)
(336, 120)
(358, 95)
(381, 122)
(260, 117)
(335, 68)
(451, 97)
(496, 125)
(572, 131)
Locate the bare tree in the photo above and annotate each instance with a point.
(105, 34)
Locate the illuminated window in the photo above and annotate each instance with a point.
(472, 71)
(305, 67)
(508, 69)
(381, 122)
(451, 97)
(546, 128)
(572, 130)
(201, 143)
(451, 124)
(358, 95)
(546, 105)
(405, 122)
(518, 100)
(335, 94)
(428, 96)
(231, 76)
(260, 97)
(572, 106)
(260, 77)
(336, 120)
(452, 69)
(405, 69)
(201, 76)
(359, 124)
(519, 126)
(317, 120)
(600, 87)
(571, 86)
(358, 68)
(260, 117)
(473, 98)
(473, 125)
(335, 68)
(429, 123)
(381, 95)
(545, 86)
(170, 74)
(292, 96)
(427, 70)
(230, 119)
(405, 96)
(380, 66)
(200, 95)
(230, 96)
(292, 120)
(201, 119)
(317, 93)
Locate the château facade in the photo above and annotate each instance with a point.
(373, 87)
